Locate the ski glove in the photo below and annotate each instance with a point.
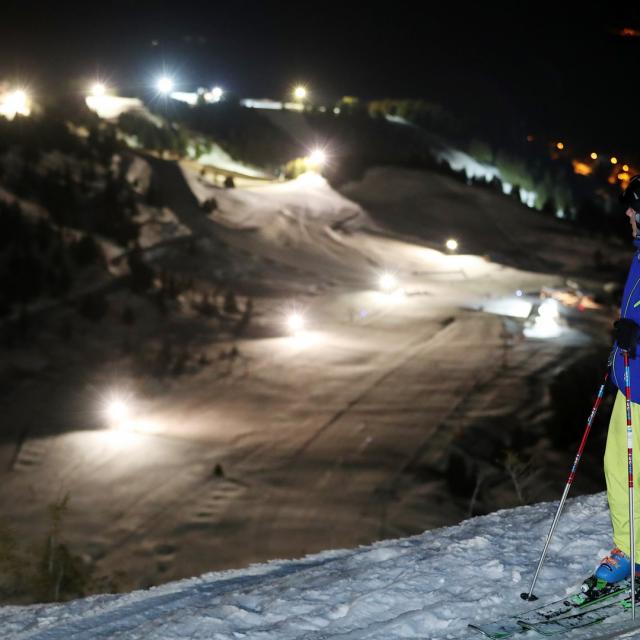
(627, 334)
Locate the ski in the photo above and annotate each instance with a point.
(570, 605)
(582, 619)
(621, 630)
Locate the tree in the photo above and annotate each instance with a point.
(230, 303)
(590, 216)
(94, 306)
(481, 151)
(514, 170)
(86, 251)
(141, 273)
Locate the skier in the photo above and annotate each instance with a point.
(617, 565)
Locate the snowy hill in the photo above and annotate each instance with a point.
(385, 377)
(427, 586)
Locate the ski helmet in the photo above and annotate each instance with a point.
(630, 197)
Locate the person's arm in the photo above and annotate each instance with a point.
(627, 334)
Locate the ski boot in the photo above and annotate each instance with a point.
(615, 567)
(611, 577)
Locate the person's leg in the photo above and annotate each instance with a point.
(616, 472)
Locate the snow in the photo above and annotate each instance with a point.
(138, 175)
(382, 378)
(426, 586)
(459, 160)
(268, 104)
(280, 210)
(189, 98)
(112, 107)
(158, 225)
(218, 158)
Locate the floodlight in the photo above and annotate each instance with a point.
(17, 101)
(117, 410)
(164, 84)
(98, 89)
(295, 322)
(300, 92)
(318, 157)
(388, 282)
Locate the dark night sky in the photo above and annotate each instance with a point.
(559, 67)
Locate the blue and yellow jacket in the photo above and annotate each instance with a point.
(630, 308)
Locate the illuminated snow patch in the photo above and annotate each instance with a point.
(186, 97)
(311, 179)
(111, 107)
(303, 339)
(384, 298)
(546, 323)
(261, 104)
(549, 309)
(543, 328)
(513, 307)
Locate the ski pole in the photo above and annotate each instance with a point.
(632, 537)
(572, 475)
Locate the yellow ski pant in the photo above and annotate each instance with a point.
(616, 472)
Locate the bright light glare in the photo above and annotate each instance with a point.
(318, 157)
(18, 97)
(295, 322)
(388, 282)
(16, 102)
(164, 84)
(98, 89)
(117, 410)
(300, 93)
(214, 95)
(451, 244)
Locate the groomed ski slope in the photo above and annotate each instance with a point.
(427, 586)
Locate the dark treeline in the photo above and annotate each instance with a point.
(82, 194)
(244, 134)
